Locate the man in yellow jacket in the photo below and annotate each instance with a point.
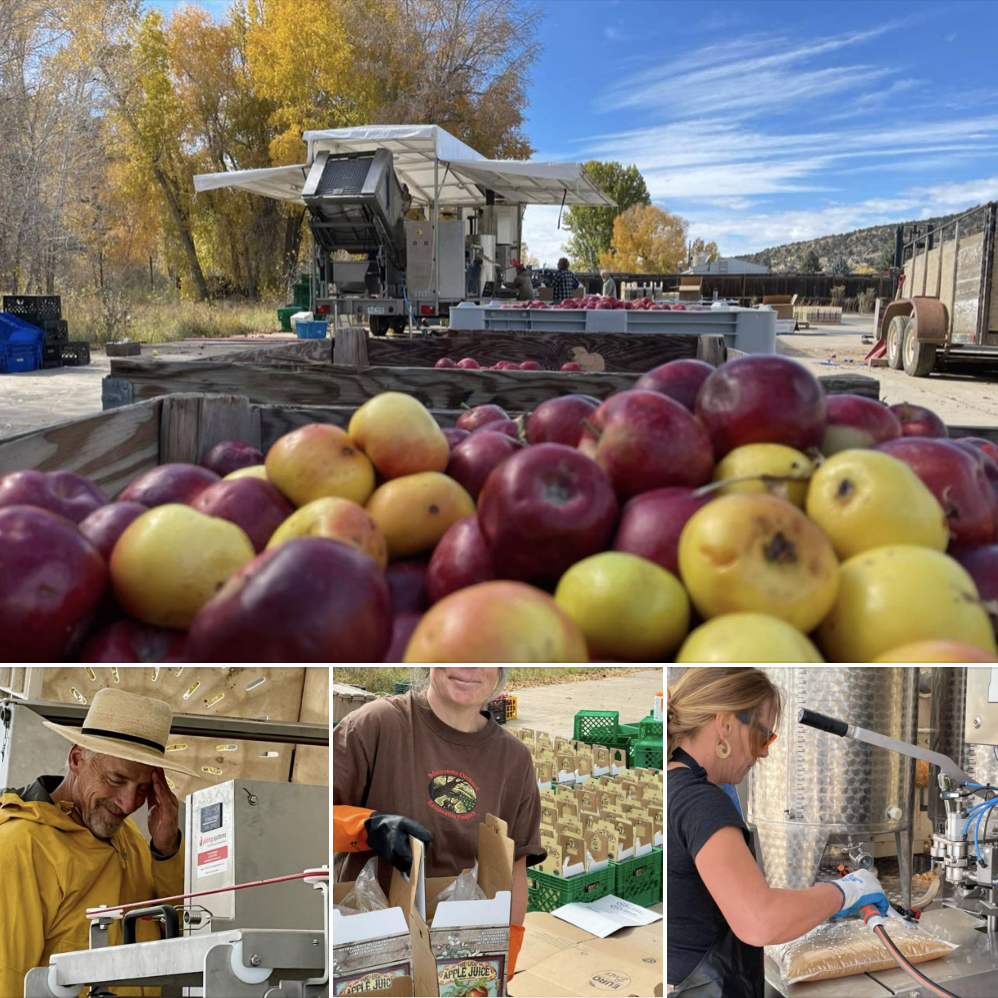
(67, 843)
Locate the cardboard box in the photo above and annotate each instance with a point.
(452, 948)
(560, 959)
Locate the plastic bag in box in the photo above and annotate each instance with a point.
(841, 949)
(367, 894)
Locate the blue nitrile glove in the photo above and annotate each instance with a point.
(860, 889)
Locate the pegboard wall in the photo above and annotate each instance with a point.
(275, 694)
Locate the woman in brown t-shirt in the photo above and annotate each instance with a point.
(432, 763)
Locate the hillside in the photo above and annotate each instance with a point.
(859, 248)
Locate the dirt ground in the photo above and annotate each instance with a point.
(30, 401)
(553, 708)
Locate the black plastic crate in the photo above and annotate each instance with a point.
(33, 308)
(51, 355)
(56, 331)
(75, 354)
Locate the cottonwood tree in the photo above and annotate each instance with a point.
(647, 240)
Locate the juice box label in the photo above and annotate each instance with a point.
(369, 980)
(471, 978)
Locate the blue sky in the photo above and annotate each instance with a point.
(771, 121)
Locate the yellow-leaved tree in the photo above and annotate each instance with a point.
(647, 240)
(301, 58)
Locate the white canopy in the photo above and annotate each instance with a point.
(461, 173)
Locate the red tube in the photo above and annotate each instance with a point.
(198, 894)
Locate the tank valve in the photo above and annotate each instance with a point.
(894, 813)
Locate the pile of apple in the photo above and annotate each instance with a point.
(608, 301)
(470, 364)
(735, 514)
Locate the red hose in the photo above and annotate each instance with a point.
(197, 894)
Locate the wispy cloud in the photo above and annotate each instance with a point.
(612, 34)
(951, 37)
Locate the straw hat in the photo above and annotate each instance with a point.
(126, 726)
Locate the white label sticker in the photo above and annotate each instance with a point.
(213, 850)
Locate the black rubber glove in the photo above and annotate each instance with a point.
(388, 835)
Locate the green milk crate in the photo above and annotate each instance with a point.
(545, 891)
(648, 755)
(401, 688)
(597, 727)
(649, 729)
(639, 880)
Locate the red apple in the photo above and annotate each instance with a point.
(455, 435)
(445, 362)
(479, 416)
(958, 482)
(472, 460)
(679, 379)
(468, 363)
(857, 422)
(51, 582)
(129, 641)
(559, 420)
(105, 525)
(251, 503)
(917, 421)
(308, 600)
(762, 399)
(178, 482)
(570, 365)
(650, 525)
(644, 440)
(982, 564)
(543, 509)
(231, 455)
(403, 624)
(461, 559)
(530, 365)
(407, 581)
(62, 492)
(988, 466)
(988, 446)
(509, 427)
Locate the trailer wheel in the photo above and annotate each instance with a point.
(379, 324)
(896, 332)
(399, 325)
(919, 357)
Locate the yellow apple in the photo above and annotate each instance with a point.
(398, 434)
(758, 553)
(339, 520)
(170, 561)
(755, 460)
(864, 499)
(747, 637)
(891, 596)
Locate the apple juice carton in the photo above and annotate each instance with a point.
(465, 944)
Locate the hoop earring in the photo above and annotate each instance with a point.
(722, 748)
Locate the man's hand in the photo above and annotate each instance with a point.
(163, 812)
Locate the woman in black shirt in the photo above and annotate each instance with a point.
(721, 911)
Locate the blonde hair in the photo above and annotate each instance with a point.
(704, 692)
(420, 682)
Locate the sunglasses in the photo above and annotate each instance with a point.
(770, 735)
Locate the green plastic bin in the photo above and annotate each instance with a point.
(545, 891)
(597, 727)
(401, 688)
(649, 729)
(648, 755)
(639, 880)
(284, 316)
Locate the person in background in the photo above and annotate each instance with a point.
(720, 722)
(609, 284)
(523, 284)
(564, 282)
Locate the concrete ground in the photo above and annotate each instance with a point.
(959, 399)
(553, 708)
(38, 398)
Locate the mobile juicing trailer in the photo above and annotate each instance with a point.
(407, 220)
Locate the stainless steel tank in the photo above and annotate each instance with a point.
(817, 793)
(946, 735)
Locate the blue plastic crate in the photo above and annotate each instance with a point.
(314, 330)
(23, 351)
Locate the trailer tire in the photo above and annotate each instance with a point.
(919, 357)
(896, 332)
(379, 324)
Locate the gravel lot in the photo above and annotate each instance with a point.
(30, 401)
